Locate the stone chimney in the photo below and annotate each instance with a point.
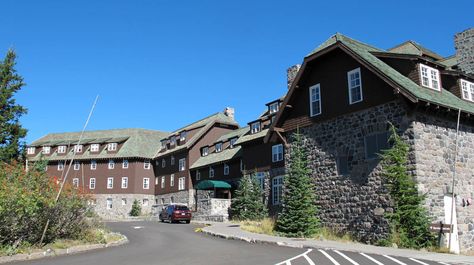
(291, 74)
(464, 44)
(229, 112)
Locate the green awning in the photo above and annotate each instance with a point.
(212, 184)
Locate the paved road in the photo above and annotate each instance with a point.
(170, 244)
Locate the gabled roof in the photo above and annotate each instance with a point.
(236, 133)
(250, 137)
(140, 143)
(217, 158)
(449, 61)
(411, 47)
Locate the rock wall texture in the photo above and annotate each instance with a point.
(121, 205)
(464, 43)
(211, 209)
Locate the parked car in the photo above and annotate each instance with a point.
(175, 213)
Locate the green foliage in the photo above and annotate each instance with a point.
(409, 220)
(298, 216)
(248, 201)
(11, 131)
(136, 208)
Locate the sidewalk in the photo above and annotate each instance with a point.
(233, 231)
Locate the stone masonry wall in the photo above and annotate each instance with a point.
(464, 43)
(181, 197)
(120, 210)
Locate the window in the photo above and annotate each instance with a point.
(163, 163)
(277, 153)
(78, 148)
(342, 165)
(218, 147)
(112, 147)
(77, 165)
(355, 86)
(273, 107)
(172, 180)
(182, 136)
(375, 143)
(429, 77)
(92, 183)
(146, 164)
(182, 164)
(61, 149)
(172, 161)
(226, 169)
(173, 140)
(94, 148)
(467, 90)
(124, 182)
(232, 142)
(93, 165)
(145, 202)
(124, 201)
(260, 176)
(162, 200)
(172, 199)
(31, 150)
(146, 183)
(241, 165)
(125, 163)
(60, 166)
(110, 183)
(181, 183)
(315, 100)
(277, 189)
(109, 203)
(163, 182)
(156, 180)
(198, 175)
(255, 127)
(205, 151)
(46, 150)
(163, 144)
(211, 172)
(111, 164)
(75, 182)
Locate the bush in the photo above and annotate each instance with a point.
(136, 208)
(248, 201)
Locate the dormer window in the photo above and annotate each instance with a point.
(467, 89)
(232, 142)
(182, 136)
(78, 148)
(218, 147)
(112, 147)
(46, 150)
(163, 144)
(31, 150)
(205, 151)
(173, 140)
(273, 108)
(61, 149)
(429, 77)
(95, 147)
(255, 127)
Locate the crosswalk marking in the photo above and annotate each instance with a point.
(308, 260)
(395, 260)
(329, 257)
(417, 261)
(372, 259)
(346, 257)
(288, 261)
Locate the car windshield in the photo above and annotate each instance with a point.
(181, 208)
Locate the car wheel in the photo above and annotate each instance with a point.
(188, 221)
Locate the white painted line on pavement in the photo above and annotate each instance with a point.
(443, 263)
(288, 261)
(395, 260)
(417, 261)
(346, 257)
(137, 227)
(308, 260)
(372, 259)
(329, 257)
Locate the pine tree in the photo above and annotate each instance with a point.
(298, 216)
(248, 201)
(409, 220)
(136, 208)
(11, 131)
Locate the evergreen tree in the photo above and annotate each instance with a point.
(298, 216)
(409, 220)
(248, 201)
(11, 131)
(136, 208)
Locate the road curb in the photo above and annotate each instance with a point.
(61, 252)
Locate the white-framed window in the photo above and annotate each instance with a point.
(205, 151)
(226, 169)
(172, 199)
(277, 153)
(146, 183)
(93, 165)
(95, 148)
(60, 166)
(109, 203)
(198, 175)
(173, 140)
(112, 147)
(467, 90)
(147, 164)
(232, 142)
(163, 181)
(218, 147)
(163, 163)
(181, 182)
(92, 183)
(156, 180)
(46, 150)
(77, 165)
(61, 149)
(125, 163)
(211, 172)
(429, 77)
(145, 202)
(182, 164)
(124, 182)
(31, 150)
(172, 180)
(111, 164)
(172, 161)
(110, 183)
(354, 82)
(315, 100)
(260, 176)
(277, 188)
(163, 144)
(255, 127)
(273, 107)
(182, 136)
(75, 182)
(78, 148)
(124, 201)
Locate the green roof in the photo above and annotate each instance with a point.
(449, 62)
(251, 137)
(233, 134)
(411, 47)
(212, 184)
(136, 143)
(219, 157)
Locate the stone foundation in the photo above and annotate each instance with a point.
(182, 197)
(211, 209)
(119, 210)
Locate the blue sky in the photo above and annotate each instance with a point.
(162, 64)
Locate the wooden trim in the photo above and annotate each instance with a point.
(283, 139)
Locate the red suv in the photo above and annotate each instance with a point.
(175, 213)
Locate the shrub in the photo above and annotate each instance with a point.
(136, 208)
